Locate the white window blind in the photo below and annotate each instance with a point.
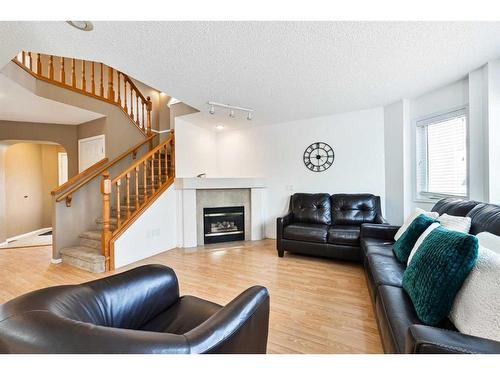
(442, 155)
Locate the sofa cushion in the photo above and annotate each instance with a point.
(385, 269)
(403, 246)
(437, 271)
(377, 246)
(174, 319)
(454, 206)
(344, 234)
(306, 232)
(311, 208)
(354, 209)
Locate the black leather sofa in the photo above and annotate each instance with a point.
(400, 329)
(138, 311)
(327, 226)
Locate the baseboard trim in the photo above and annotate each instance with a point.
(56, 261)
(33, 233)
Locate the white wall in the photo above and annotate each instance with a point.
(152, 233)
(194, 149)
(275, 152)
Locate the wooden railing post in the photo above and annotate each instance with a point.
(63, 72)
(149, 106)
(38, 64)
(73, 74)
(51, 67)
(111, 91)
(106, 208)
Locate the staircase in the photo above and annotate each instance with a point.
(125, 192)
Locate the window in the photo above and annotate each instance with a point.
(442, 155)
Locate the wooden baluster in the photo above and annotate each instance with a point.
(73, 73)
(153, 172)
(63, 72)
(159, 166)
(23, 58)
(136, 187)
(118, 204)
(149, 109)
(31, 60)
(92, 78)
(51, 67)
(137, 108)
(125, 108)
(143, 123)
(145, 181)
(38, 64)
(111, 91)
(119, 88)
(128, 194)
(106, 232)
(84, 78)
(131, 103)
(166, 161)
(101, 85)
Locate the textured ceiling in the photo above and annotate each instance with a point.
(284, 70)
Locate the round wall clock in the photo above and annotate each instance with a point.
(319, 156)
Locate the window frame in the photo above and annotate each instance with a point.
(424, 121)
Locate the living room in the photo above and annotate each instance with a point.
(295, 184)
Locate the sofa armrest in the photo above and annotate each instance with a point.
(240, 327)
(281, 223)
(382, 231)
(379, 219)
(422, 339)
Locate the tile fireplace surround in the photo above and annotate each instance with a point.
(194, 194)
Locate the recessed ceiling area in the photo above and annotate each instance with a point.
(284, 70)
(19, 104)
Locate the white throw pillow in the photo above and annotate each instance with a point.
(413, 216)
(458, 223)
(421, 239)
(490, 241)
(476, 307)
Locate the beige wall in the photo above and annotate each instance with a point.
(3, 218)
(31, 173)
(65, 135)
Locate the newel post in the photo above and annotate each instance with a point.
(149, 107)
(106, 232)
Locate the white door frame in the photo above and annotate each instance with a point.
(80, 141)
(59, 165)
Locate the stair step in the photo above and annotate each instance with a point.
(85, 258)
(91, 239)
(112, 223)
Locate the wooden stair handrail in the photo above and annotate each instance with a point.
(138, 108)
(156, 171)
(96, 170)
(142, 159)
(73, 180)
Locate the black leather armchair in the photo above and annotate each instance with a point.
(138, 311)
(327, 226)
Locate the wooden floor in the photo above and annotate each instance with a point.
(317, 305)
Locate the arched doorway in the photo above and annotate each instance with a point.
(30, 170)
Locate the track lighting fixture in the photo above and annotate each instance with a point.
(232, 109)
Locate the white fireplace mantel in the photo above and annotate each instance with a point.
(219, 183)
(187, 205)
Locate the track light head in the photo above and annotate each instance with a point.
(249, 116)
(212, 109)
(231, 113)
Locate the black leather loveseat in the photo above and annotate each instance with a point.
(137, 311)
(400, 329)
(328, 226)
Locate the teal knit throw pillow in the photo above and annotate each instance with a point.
(437, 271)
(403, 246)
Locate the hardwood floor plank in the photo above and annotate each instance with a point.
(317, 305)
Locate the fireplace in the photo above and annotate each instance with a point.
(223, 224)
